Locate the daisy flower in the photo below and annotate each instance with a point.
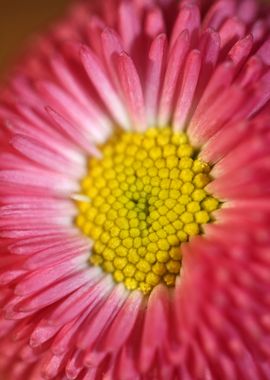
(135, 193)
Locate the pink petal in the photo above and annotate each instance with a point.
(175, 64)
(189, 20)
(132, 90)
(187, 90)
(103, 85)
(155, 72)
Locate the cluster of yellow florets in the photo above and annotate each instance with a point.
(146, 197)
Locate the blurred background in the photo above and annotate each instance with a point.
(19, 19)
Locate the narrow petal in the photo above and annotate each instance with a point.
(187, 91)
(103, 86)
(132, 90)
(155, 72)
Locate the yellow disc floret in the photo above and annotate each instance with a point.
(146, 197)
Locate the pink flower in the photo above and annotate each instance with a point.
(80, 297)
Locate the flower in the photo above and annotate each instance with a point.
(134, 195)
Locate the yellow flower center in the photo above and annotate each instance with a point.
(146, 197)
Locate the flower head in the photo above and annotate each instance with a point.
(134, 197)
